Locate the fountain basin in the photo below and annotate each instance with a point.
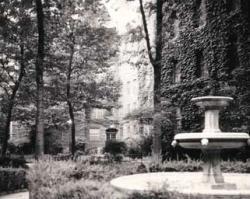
(215, 140)
(187, 183)
(212, 102)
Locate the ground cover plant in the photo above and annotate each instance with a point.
(80, 179)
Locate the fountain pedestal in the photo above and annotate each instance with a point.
(211, 167)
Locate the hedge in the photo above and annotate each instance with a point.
(12, 179)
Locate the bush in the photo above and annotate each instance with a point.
(194, 166)
(141, 149)
(134, 152)
(20, 149)
(74, 180)
(12, 179)
(12, 162)
(116, 149)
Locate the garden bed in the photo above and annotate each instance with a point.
(76, 180)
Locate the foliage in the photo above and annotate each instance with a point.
(12, 162)
(194, 166)
(116, 149)
(218, 46)
(12, 179)
(16, 31)
(20, 149)
(68, 179)
(141, 149)
(53, 141)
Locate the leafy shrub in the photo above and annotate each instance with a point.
(20, 149)
(134, 152)
(12, 179)
(193, 166)
(68, 179)
(12, 162)
(116, 149)
(141, 149)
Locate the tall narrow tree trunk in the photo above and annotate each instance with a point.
(72, 129)
(156, 145)
(155, 60)
(39, 149)
(69, 102)
(86, 126)
(12, 102)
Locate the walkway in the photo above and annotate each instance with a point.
(21, 195)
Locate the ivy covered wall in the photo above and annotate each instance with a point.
(206, 50)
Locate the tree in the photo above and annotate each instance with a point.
(15, 56)
(155, 55)
(39, 80)
(83, 48)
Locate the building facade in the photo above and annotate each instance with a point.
(133, 68)
(206, 52)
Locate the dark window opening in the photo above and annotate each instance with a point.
(232, 5)
(199, 16)
(200, 64)
(197, 13)
(176, 72)
(232, 54)
(172, 21)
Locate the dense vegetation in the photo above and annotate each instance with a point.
(206, 53)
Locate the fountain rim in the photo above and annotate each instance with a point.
(222, 135)
(211, 98)
(166, 176)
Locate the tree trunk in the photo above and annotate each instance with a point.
(69, 102)
(39, 149)
(156, 145)
(86, 126)
(155, 60)
(12, 102)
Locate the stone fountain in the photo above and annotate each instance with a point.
(210, 183)
(211, 141)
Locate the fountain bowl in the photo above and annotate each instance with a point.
(212, 102)
(186, 183)
(223, 140)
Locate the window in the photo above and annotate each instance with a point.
(232, 5)
(134, 105)
(199, 16)
(128, 108)
(128, 87)
(94, 134)
(176, 71)
(121, 132)
(128, 130)
(232, 53)
(174, 22)
(200, 64)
